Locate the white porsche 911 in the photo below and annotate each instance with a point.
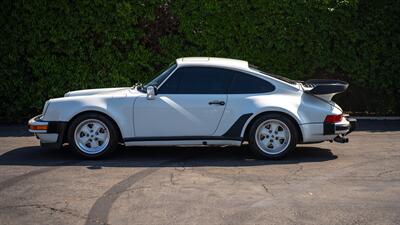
(198, 101)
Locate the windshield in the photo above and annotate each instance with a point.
(160, 78)
(285, 79)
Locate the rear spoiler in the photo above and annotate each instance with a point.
(325, 89)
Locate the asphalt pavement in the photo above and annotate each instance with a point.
(327, 183)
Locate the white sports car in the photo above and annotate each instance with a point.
(198, 101)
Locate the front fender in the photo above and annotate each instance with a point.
(120, 109)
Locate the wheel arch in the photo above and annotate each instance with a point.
(65, 138)
(249, 124)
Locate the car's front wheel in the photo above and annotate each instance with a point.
(92, 135)
(273, 136)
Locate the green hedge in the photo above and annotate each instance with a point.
(49, 47)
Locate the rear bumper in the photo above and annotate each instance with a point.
(353, 124)
(341, 129)
(344, 127)
(318, 132)
(50, 133)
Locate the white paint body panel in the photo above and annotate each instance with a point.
(177, 115)
(191, 115)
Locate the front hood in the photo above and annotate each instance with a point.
(99, 91)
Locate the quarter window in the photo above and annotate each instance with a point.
(246, 83)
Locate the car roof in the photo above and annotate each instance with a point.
(230, 64)
(213, 61)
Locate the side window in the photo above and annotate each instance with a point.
(198, 80)
(171, 85)
(245, 83)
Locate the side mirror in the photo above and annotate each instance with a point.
(151, 92)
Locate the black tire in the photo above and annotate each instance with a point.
(112, 129)
(282, 118)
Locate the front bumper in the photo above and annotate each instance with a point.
(50, 133)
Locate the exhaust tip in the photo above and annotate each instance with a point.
(341, 139)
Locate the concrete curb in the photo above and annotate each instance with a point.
(377, 117)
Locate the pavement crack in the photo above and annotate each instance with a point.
(180, 169)
(300, 168)
(386, 172)
(171, 179)
(14, 180)
(267, 190)
(126, 190)
(292, 173)
(45, 206)
(98, 214)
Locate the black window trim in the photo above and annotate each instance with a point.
(165, 80)
(221, 67)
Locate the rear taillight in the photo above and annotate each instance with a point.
(333, 118)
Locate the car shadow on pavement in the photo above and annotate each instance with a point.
(160, 156)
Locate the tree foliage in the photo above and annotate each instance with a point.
(51, 47)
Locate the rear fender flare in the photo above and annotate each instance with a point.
(291, 115)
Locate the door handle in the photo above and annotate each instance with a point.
(216, 102)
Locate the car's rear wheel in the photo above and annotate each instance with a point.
(273, 136)
(92, 135)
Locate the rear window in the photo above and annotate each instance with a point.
(284, 79)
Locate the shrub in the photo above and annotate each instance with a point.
(51, 47)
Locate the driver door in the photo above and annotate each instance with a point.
(190, 102)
